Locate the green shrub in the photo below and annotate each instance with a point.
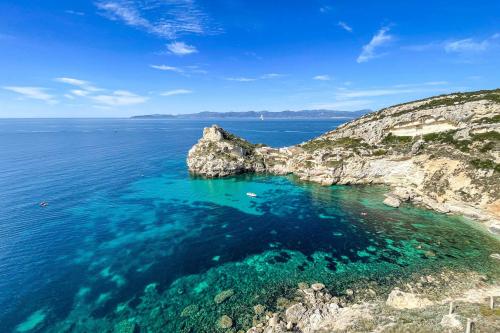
(485, 164)
(447, 138)
(379, 152)
(328, 143)
(493, 120)
(391, 139)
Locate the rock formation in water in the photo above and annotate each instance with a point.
(442, 152)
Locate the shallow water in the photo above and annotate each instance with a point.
(128, 235)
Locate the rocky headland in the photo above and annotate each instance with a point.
(442, 153)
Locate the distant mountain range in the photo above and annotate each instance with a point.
(303, 114)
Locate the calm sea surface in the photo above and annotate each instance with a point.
(129, 238)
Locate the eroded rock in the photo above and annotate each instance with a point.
(402, 300)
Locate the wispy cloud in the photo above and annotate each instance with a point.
(163, 18)
(369, 51)
(176, 92)
(466, 45)
(271, 76)
(267, 76)
(322, 77)
(181, 48)
(85, 85)
(119, 98)
(345, 26)
(74, 12)
(102, 97)
(167, 68)
(37, 93)
(80, 93)
(185, 71)
(325, 9)
(241, 79)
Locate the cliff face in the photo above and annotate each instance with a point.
(442, 152)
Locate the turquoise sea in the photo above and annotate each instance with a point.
(129, 239)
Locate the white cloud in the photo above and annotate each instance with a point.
(241, 79)
(271, 76)
(74, 12)
(181, 48)
(344, 26)
(80, 93)
(267, 76)
(466, 45)
(85, 85)
(381, 38)
(37, 93)
(325, 9)
(176, 92)
(119, 98)
(163, 18)
(167, 68)
(322, 77)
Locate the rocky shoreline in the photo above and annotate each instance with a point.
(439, 303)
(442, 153)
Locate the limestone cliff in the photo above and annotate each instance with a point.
(442, 152)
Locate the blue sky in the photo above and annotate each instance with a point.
(114, 58)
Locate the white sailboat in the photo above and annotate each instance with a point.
(261, 117)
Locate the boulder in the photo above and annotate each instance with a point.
(392, 202)
(295, 313)
(225, 322)
(317, 286)
(495, 256)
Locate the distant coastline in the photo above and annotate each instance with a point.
(303, 114)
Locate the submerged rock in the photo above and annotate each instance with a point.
(190, 310)
(259, 309)
(392, 202)
(401, 300)
(223, 296)
(126, 326)
(225, 322)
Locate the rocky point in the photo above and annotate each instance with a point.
(442, 153)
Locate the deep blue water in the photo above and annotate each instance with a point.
(126, 228)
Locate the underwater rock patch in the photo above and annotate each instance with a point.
(190, 310)
(225, 322)
(223, 296)
(126, 326)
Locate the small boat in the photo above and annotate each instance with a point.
(251, 194)
(43, 204)
(261, 117)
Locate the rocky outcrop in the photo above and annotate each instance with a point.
(442, 153)
(316, 310)
(400, 300)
